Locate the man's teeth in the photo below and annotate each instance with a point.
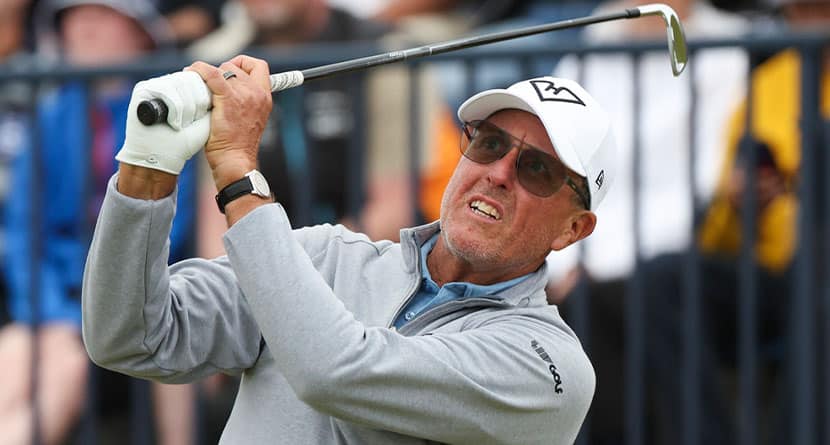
(485, 209)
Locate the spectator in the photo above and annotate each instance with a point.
(472, 12)
(773, 145)
(393, 10)
(663, 205)
(13, 14)
(191, 20)
(495, 72)
(397, 12)
(72, 161)
(14, 108)
(426, 20)
(664, 117)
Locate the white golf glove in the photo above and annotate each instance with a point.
(167, 147)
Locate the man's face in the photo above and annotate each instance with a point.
(521, 228)
(98, 35)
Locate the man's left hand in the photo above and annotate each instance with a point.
(166, 147)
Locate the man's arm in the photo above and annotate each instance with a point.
(144, 319)
(137, 319)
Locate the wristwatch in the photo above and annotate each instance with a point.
(253, 183)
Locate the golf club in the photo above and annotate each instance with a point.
(155, 111)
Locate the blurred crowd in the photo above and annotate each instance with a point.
(699, 161)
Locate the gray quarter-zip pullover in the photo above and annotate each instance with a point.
(305, 317)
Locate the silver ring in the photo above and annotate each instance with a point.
(228, 75)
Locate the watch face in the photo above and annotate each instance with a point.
(261, 187)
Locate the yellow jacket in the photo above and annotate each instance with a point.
(776, 102)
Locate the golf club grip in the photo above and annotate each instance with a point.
(155, 111)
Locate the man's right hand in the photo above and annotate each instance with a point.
(241, 105)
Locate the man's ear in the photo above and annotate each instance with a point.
(582, 224)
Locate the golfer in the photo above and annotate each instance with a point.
(443, 338)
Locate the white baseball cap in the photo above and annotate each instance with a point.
(579, 129)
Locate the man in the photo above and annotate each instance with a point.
(445, 337)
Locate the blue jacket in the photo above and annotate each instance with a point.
(68, 204)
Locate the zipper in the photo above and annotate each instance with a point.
(440, 310)
(447, 308)
(413, 288)
(410, 293)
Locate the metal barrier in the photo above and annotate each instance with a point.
(808, 305)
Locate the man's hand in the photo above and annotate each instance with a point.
(166, 147)
(232, 130)
(241, 105)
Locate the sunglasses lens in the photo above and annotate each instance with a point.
(488, 144)
(540, 173)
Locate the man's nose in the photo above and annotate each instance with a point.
(502, 172)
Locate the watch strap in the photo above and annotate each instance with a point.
(234, 190)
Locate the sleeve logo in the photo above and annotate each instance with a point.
(548, 92)
(557, 379)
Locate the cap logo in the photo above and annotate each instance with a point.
(600, 179)
(547, 91)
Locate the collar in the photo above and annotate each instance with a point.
(529, 291)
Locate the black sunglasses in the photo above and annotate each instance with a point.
(539, 173)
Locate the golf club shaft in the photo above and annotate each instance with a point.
(454, 45)
(155, 111)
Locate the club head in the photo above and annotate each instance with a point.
(677, 38)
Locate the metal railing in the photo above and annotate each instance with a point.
(808, 360)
